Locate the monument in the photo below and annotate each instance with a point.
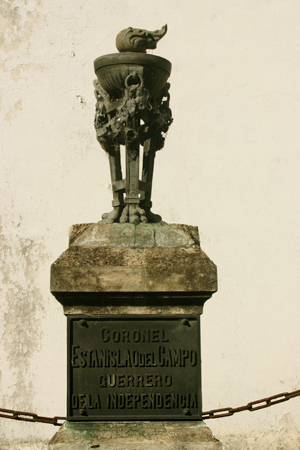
(132, 286)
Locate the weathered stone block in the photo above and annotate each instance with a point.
(149, 264)
(135, 436)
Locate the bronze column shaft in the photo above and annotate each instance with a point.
(132, 163)
(116, 175)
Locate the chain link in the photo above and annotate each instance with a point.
(30, 417)
(212, 414)
(252, 406)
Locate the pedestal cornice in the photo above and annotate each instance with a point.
(145, 265)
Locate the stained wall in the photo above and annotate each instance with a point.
(230, 166)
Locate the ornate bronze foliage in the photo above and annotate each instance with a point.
(132, 110)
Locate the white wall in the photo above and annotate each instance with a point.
(230, 165)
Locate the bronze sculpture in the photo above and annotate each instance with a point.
(135, 40)
(132, 109)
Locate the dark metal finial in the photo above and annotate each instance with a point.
(136, 40)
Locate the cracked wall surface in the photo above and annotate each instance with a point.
(230, 166)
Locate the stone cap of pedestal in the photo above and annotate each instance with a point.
(123, 264)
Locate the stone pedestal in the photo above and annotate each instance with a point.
(134, 436)
(126, 269)
(133, 269)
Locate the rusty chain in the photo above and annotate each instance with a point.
(30, 417)
(252, 406)
(212, 414)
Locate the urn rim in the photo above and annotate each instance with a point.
(134, 58)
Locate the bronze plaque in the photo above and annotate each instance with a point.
(134, 368)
